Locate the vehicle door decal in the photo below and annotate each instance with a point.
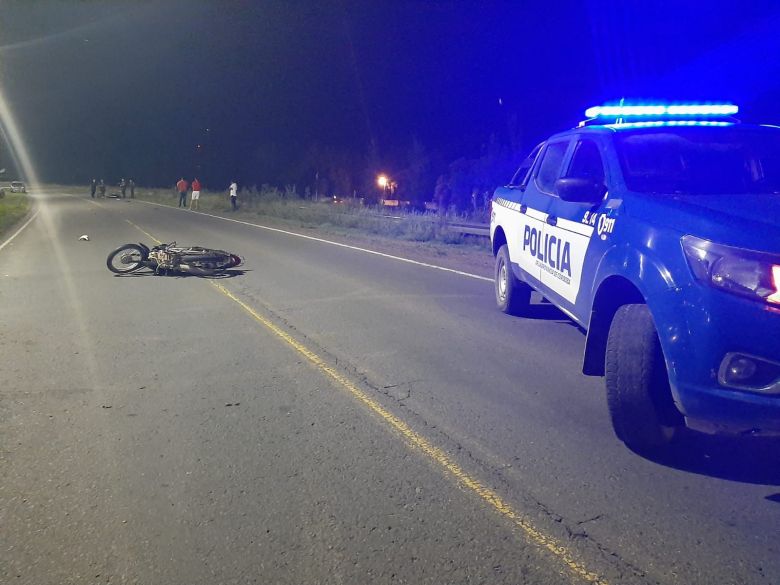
(576, 227)
(532, 241)
(604, 223)
(537, 215)
(513, 205)
(563, 256)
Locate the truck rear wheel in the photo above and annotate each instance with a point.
(638, 394)
(512, 295)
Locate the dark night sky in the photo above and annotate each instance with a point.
(112, 88)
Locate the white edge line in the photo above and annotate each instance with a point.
(366, 250)
(19, 231)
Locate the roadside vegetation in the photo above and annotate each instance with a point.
(334, 215)
(13, 207)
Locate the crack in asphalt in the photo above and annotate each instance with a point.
(409, 386)
(596, 517)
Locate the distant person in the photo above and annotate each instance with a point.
(195, 193)
(123, 187)
(233, 195)
(102, 188)
(181, 186)
(131, 184)
(93, 188)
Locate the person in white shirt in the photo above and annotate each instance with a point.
(233, 195)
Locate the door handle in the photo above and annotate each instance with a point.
(552, 220)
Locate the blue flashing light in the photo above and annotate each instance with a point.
(652, 110)
(668, 123)
(704, 110)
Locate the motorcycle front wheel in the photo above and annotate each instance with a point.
(125, 259)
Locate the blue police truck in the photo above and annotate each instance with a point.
(656, 228)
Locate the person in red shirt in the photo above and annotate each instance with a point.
(195, 193)
(182, 188)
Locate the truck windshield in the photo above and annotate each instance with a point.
(701, 160)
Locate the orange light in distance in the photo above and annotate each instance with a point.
(775, 296)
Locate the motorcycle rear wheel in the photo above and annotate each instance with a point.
(125, 259)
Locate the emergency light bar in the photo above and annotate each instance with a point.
(660, 111)
(671, 123)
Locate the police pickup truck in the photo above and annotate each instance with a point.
(657, 230)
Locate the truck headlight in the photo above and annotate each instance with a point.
(736, 270)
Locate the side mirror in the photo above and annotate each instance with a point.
(580, 190)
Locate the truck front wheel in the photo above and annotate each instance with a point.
(638, 394)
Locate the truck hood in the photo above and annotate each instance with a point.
(751, 221)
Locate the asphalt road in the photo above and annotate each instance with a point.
(326, 415)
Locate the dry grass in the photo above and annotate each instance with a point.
(13, 207)
(343, 217)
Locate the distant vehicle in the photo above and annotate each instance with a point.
(657, 232)
(18, 187)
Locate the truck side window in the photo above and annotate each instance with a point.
(522, 175)
(550, 167)
(586, 162)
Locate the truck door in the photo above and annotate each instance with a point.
(570, 227)
(534, 207)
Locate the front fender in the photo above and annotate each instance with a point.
(642, 267)
(626, 275)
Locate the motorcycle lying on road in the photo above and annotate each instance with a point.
(167, 258)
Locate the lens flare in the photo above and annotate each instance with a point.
(47, 217)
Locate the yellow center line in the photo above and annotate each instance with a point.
(147, 234)
(418, 441)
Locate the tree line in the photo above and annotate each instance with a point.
(462, 185)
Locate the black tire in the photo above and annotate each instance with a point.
(513, 296)
(126, 259)
(640, 401)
